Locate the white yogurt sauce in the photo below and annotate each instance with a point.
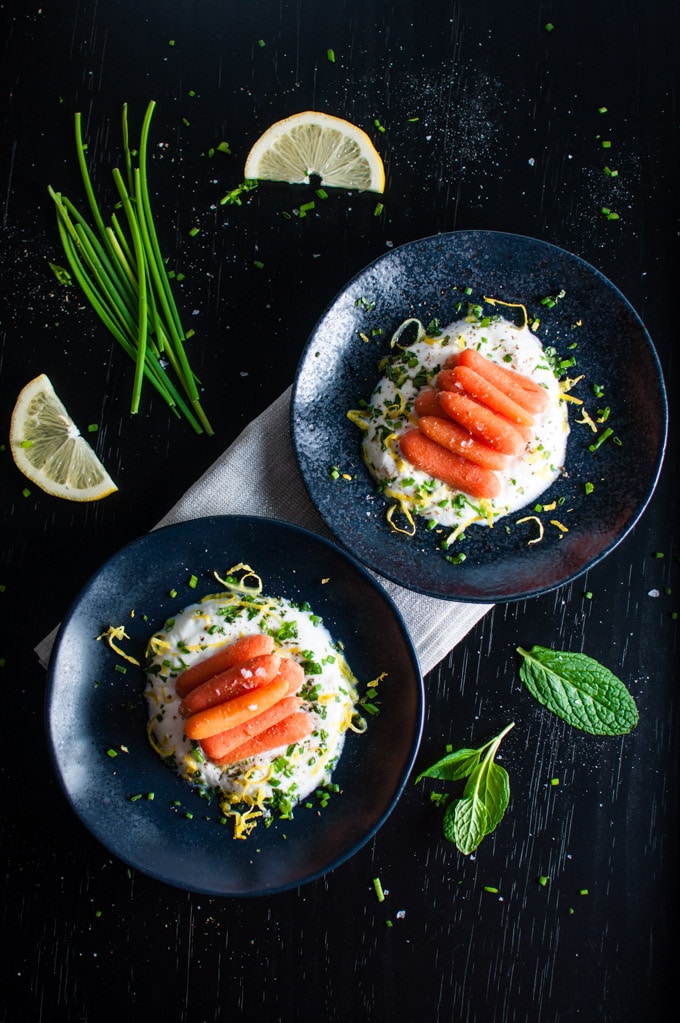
(273, 782)
(390, 415)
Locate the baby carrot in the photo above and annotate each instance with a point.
(242, 678)
(293, 672)
(522, 389)
(294, 728)
(427, 403)
(217, 746)
(446, 380)
(458, 472)
(235, 711)
(459, 440)
(493, 397)
(452, 360)
(482, 423)
(240, 650)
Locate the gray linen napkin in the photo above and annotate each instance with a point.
(258, 475)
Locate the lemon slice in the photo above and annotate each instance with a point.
(48, 449)
(341, 154)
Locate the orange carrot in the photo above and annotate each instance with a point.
(452, 360)
(294, 728)
(217, 746)
(459, 473)
(242, 678)
(293, 672)
(427, 403)
(493, 397)
(240, 650)
(234, 712)
(446, 380)
(482, 423)
(522, 389)
(459, 440)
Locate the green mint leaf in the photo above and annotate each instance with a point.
(491, 785)
(466, 823)
(454, 766)
(578, 689)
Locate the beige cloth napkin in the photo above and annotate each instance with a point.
(258, 475)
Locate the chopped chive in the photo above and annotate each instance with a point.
(378, 888)
(379, 207)
(331, 56)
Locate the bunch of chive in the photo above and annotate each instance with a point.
(122, 273)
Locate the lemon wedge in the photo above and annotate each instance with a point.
(335, 150)
(48, 449)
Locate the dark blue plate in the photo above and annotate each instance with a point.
(426, 279)
(93, 707)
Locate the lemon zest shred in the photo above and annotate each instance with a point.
(460, 528)
(586, 420)
(394, 343)
(241, 586)
(400, 503)
(562, 528)
(155, 745)
(364, 337)
(244, 823)
(541, 531)
(114, 632)
(357, 724)
(511, 305)
(358, 418)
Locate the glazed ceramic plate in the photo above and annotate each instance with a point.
(434, 279)
(94, 707)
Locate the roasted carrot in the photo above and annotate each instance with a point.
(293, 672)
(242, 678)
(493, 397)
(458, 472)
(446, 380)
(217, 746)
(482, 423)
(521, 388)
(240, 650)
(234, 712)
(452, 360)
(427, 403)
(294, 728)
(459, 440)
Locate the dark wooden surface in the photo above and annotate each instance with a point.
(508, 138)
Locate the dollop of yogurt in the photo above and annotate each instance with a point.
(273, 782)
(390, 413)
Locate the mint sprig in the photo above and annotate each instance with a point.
(480, 809)
(579, 690)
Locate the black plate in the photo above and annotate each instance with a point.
(92, 707)
(424, 279)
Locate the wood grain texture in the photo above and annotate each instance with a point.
(490, 122)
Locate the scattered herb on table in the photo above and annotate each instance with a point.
(578, 689)
(120, 269)
(485, 796)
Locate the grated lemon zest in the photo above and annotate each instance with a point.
(586, 420)
(113, 633)
(511, 305)
(401, 503)
(242, 586)
(389, 444)
(533, 518)
(155, 745)
(244, 823)
(562, 528)
(400, 330)
(460, 528)
(358, 418)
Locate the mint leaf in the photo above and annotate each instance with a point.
(453, 766)
(485, 796)
(466, 824)
(579, 690)
(492, 788)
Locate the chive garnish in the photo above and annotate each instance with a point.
(122, 273)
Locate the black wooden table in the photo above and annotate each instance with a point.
(489, 117)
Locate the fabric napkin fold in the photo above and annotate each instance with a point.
(258, 475)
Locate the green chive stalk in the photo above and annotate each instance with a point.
(121, 271)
